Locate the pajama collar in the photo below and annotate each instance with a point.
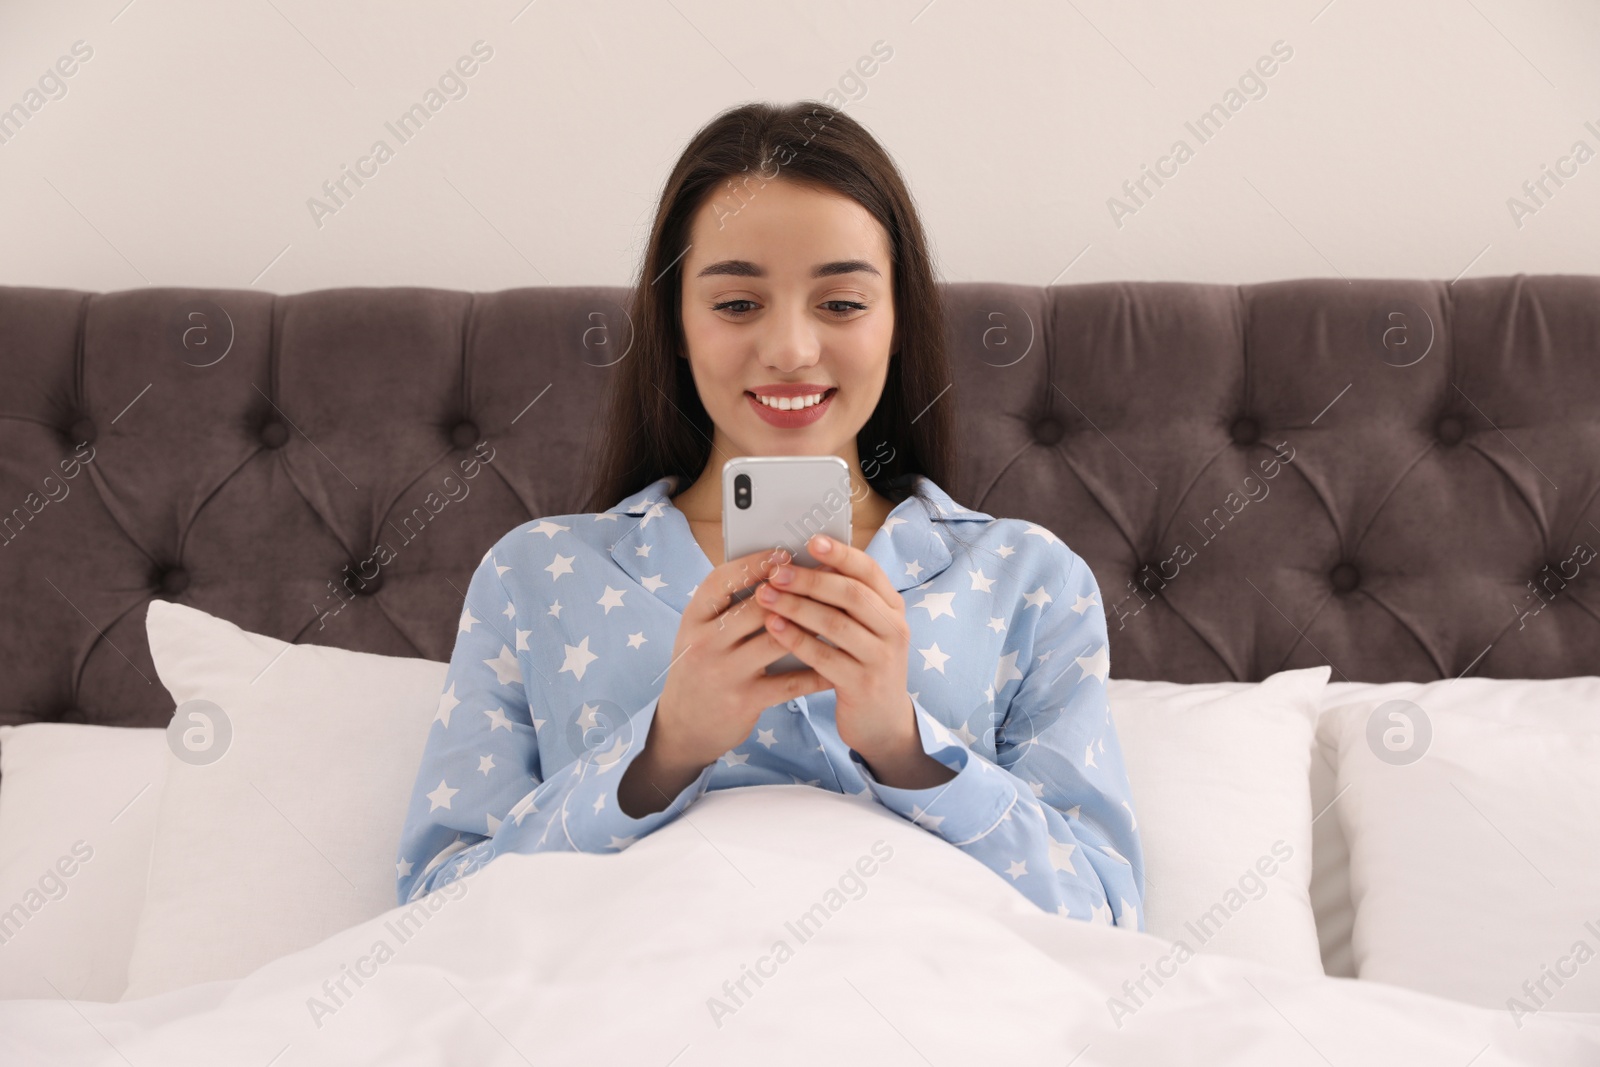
(908, 546)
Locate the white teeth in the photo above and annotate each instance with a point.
(785, 403)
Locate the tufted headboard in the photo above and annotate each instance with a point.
(1398, 478)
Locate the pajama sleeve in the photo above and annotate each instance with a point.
(1054, 817)
(481, 789)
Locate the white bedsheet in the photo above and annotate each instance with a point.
(931, 958)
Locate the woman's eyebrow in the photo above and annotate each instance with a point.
(743, 268)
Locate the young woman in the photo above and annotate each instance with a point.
(604, 677)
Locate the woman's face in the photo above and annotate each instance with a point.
(787, 285)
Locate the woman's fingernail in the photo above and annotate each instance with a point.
(782, 574)
(822, 543)
(767, 593)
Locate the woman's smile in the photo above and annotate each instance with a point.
(791, 412)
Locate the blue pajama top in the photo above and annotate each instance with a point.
(568, 630)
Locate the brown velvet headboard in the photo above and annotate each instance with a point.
(1398, 478)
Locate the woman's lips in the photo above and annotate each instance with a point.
(793, 418)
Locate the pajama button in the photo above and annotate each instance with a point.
(794, 705)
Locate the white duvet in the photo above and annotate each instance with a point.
(774, 924)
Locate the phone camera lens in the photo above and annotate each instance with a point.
(741, 491)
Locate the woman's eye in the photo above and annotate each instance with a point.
(836, 307)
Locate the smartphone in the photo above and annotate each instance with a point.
(780, 502)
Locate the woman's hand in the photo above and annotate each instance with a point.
(717, 685)
(851, 602)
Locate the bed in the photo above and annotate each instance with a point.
(1342, 531)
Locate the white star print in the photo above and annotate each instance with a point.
(506, 670)
(561, 565)
(1129, 913)
(980, 581)
(599, 802)
(578, 658)
(1134, 822)
(404, 867)
(937, 604)
(1097, 665)
(932, 657)
(1037, 788)
(499, 571)
(511, 611)
(1038, 598)
(605, 515)
(1084, 603)
(1088, 757)
(555, 609)
(548, 528)
(891, 522)
(1061, 856)
(966, 735)
(997, 625)
(652, 582)
(1102, 914)
(1040, 531)
(497, 719)
(494, 825)
(914, 569)
(466, 621)
(642, 550)
(1006, 670)
(620, 843)
(611, 598)
(440, 797)
(922, 818)
(735, 759)
(447, 704)
(766, 737)
(485, 764)
(1005, 551)
(654, 511)
(1017, 869)
(522, 640)
(635, 640)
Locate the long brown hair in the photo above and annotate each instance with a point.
(656, 424)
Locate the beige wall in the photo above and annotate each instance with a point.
(1391, 138)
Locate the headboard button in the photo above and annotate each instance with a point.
(360, 584)
(81, 431)
(1345, 577)
(1048, 431)
(1450, 430)
(173, 581)
(465, 434)
(1245, 430)
(274, 434)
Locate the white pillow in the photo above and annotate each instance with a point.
(1330, 853)
(1475, 867)
(1220, 780)
(292, 834)
(77, 814)
(294, 728)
